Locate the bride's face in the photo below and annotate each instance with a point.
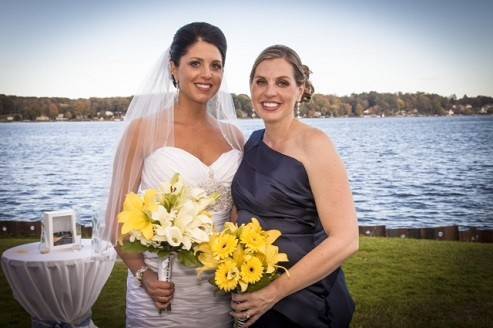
(200, 72)
(274, 90)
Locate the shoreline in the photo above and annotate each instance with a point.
(258, 119)
(15, 229)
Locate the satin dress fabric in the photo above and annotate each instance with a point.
(274, 188)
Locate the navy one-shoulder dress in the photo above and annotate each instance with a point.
(274, 188)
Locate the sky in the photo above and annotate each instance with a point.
(81, 49)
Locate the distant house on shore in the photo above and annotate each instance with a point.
(486, 109)
(450, 112)
(10, 118)
(42, 118)
(60, 117)
(370, 112)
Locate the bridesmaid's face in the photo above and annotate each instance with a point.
(200, 72)
(274, 90)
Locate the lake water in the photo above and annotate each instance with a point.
(404, 172)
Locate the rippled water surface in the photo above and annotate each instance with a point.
(405, 172)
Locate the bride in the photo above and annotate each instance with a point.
(180, 122)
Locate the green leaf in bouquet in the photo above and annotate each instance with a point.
(162, 253)
(134, 247)
(263, 282)
(188, 259)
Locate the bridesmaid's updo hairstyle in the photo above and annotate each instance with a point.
(301, 72)
(191, 33)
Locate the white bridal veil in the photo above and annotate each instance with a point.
(149, 126)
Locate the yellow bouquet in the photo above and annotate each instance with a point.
(170, 220)
(243, 258)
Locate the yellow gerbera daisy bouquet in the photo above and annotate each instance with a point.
(170, 221)
(242, 258)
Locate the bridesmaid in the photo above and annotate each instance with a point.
(292, 179)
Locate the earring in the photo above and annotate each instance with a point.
(176, 83)
(298, 109)
(177, 94)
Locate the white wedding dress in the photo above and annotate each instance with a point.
(195, 302)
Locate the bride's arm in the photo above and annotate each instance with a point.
(332, 193)
(161, 292)
(127, 169)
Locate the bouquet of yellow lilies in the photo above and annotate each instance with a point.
(169, 221)
(243, 258)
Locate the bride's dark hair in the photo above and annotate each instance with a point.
(191, 33)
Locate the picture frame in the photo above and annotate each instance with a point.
(59, 229)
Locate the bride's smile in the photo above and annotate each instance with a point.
(199, 73)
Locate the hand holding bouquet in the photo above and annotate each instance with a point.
(243, 258)
(169, 221)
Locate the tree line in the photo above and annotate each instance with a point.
(372, 103)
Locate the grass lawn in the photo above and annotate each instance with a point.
(394, 282)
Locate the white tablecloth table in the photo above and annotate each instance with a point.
(60, 286)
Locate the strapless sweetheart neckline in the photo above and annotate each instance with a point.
(189, 154)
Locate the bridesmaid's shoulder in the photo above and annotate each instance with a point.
(316, 142)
